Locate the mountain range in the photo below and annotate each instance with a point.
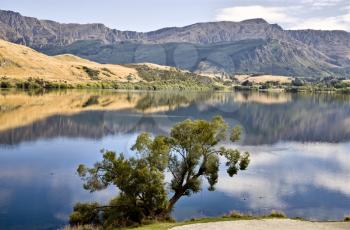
(217, 48)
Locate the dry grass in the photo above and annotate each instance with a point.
(156, 66)
(263, 78)
(20, 62)
(19, 109)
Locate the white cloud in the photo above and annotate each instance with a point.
(263, 187)
(319, 4)
(287, 16)
(329, 23)
(239, 13)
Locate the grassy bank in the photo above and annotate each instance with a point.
(233, 216)
(35, 83)
(152, 79)
(341, 88)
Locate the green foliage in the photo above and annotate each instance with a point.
(130, 77)
(189, 153)
(32, 83)
(277, 214)
(172, 76)
(236, 133)
(347, 218)
(141, 184)
(93, 74)
(5, 83)
(37, 83)
(107, 70)
(235, 214)
(193, 144)
(85, 214)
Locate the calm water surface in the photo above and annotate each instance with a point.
(299, 144)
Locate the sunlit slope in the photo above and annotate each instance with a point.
(21, 62)
(19, 108)
(264, 78)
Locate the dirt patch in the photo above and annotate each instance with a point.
(270, 224)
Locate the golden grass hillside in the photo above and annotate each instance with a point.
(263, 78)
(21, 62)
(20, 108)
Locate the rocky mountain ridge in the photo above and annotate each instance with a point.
(291, 52)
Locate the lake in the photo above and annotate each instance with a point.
(299, 145)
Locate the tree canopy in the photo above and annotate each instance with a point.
(190, 152)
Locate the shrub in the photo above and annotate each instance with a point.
(347, 218)
(84, 214)
(6, 84)
(277, 214)
(93, 74)
(107, 70)
(235, 214)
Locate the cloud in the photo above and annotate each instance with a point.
(319, 4)
(295, 17)
(239, 13)
(275, 177)
(329, 23)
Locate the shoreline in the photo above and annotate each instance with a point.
(235, 220)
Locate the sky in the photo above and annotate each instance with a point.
(148, 15)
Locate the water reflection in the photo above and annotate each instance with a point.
(268, 120)
(300, 147)
(288, 175)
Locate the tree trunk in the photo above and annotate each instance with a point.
(172, 202)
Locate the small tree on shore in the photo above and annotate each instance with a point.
(189, 153)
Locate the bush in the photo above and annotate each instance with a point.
(277, 214)
(5, 84)
(347, 218)
(126, 213)
(84, 214)
(93, 74)
(235, 214)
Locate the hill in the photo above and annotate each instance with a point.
(213, 48)
(24, 67)
(21, 62)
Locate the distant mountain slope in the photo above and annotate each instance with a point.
(43, 33)
(333, 43)
(247, 56)
(250, 46)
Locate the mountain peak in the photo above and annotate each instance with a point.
(255, 20)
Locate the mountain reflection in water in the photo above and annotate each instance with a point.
(299, 144)
(266, 118)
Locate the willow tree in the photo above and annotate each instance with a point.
(191, 152)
